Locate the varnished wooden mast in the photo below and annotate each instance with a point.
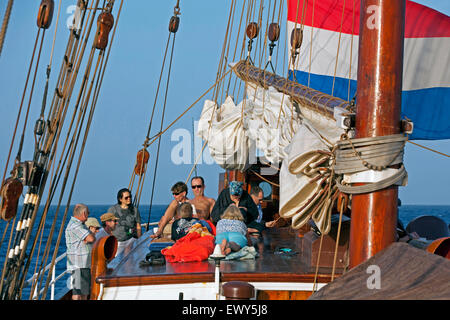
(380, 70)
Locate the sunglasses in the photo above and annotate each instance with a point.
(197, 186)
(176, 193)
(126, 198)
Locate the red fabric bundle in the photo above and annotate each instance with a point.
(192, 247)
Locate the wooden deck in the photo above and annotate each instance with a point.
(269, 266)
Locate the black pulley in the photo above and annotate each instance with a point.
(173, 24)
(39, 127)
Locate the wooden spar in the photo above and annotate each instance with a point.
(307, 97)
(380, 70)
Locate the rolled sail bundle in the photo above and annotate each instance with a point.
(223, 129)
(234, 131)
(271, 121)
(308, 98)
(307, 189)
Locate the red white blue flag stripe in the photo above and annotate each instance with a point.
(328, 58)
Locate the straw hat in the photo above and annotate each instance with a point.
(108, 216)
(92, 222)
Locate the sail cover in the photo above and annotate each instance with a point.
(328, 58)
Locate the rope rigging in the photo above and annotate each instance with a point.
(143, 155)
(47, 136)
(5, 24)
(46, 168)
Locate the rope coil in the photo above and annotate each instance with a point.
(364, 154)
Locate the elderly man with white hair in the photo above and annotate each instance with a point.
(79, 242)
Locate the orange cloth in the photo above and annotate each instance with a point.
(213, 227)
(197, 245)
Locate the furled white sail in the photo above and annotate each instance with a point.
(301, 178)
(302, 142)
(266, 119)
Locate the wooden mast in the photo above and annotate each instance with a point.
(380, 71)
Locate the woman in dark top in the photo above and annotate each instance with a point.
(235, 194)
(129, 220)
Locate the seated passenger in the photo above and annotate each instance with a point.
(257, 195)
(235, 194)
(203, 205)
(93, 225)
(231, 230)
(184, 221)
(109, 223)
(179, 192)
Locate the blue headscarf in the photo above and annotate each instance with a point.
(236, 188)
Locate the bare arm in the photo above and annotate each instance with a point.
(212, 203)
(89, 238)
(138, 230)
(168, 215)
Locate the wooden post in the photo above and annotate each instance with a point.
(380, 71)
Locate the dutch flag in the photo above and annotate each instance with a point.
(328, 58)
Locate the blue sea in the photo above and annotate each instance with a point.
(406, 214)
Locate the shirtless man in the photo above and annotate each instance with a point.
(203, 205)
(179, 192)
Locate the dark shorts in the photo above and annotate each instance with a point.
(81, 282)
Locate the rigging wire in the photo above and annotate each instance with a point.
(161, 127)
(98, 79)
(58, 111)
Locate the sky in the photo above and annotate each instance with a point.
(123, 111)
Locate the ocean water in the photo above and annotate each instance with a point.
(407, 213)
(96, 211)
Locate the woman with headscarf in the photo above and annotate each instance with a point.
(236, 195)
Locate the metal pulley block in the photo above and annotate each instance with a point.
(344, 118)
(45, 14)
(39, 127)
(407, 126)
(105, 22)
(28, 173)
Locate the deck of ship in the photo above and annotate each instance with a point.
(269, 266)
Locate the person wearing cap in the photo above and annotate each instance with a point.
(235, 194)
(92, 225)
(109, 223)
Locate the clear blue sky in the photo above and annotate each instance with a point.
(124, 107)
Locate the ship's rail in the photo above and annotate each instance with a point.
(52, 283)
(55, 278)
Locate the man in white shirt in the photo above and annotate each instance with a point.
(79, 247)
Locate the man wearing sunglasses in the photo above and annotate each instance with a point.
(179, 192)
(203, 205)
